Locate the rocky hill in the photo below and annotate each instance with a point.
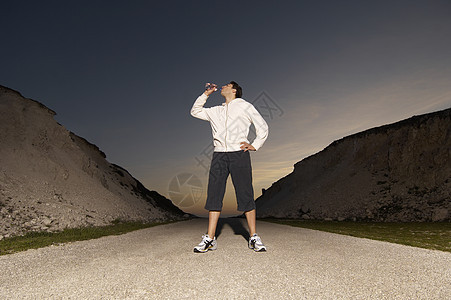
(51, 178)
(397, 172)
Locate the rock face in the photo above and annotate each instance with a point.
(397, 172)
(51, 179)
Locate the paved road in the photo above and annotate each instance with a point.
(159, 263)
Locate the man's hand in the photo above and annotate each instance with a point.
(211, 89)
(245, 146)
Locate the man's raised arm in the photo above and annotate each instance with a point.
(198, 110)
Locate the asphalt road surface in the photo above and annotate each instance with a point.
(159, 263)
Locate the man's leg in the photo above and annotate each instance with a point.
(255, 242)
(216, 188)
(209, 241)
(250, 217)
(213, 217)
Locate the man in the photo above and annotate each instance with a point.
(230, 124)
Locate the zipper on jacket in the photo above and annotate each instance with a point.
(225, 137)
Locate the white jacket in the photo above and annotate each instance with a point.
(230, 123)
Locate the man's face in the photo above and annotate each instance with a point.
(227, 90)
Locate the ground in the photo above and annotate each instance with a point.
(159, 263)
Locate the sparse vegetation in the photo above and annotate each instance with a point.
(34, 240)
(436, 236)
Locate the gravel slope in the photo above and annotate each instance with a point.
(158, 262)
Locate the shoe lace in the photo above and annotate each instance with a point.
(257, 239)
(208, 243)
(206, 240)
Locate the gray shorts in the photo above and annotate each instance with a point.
(238, 165)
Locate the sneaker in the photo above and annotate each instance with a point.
(206, 244)
(255, 243)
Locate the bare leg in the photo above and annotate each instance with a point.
(213, 217)
(250, 217)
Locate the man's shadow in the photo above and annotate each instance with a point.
(236, 224)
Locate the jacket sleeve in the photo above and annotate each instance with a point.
(198, 110)
(261, 127)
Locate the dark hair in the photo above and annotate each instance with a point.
(239, 90)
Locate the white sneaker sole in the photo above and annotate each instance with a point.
(262, 249)
(203, 251)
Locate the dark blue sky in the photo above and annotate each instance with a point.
(124, 75)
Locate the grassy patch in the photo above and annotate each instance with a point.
(429, 235)
(34, 240)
